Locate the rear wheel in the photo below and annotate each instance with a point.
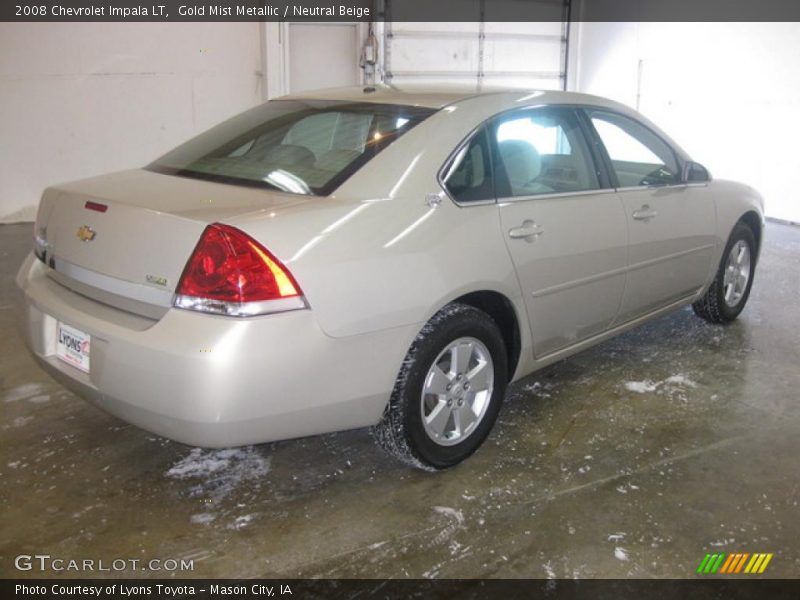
(448, 392)
(728, 293)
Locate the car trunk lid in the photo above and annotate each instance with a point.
(124, 239)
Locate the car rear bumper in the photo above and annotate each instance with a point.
(214, 381)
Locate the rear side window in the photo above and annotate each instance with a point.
(297, 146)
(468, 177)
(638, 156)
(542, 151)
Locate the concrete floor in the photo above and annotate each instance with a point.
(632, 459)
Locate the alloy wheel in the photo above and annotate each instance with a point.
(457, 391)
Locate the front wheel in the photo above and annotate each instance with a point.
(728, 293)
(448, 392)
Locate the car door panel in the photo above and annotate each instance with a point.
(671, 225)
(671, 251)
(573, 273)
(565, 230)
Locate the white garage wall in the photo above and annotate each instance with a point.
(80, 99)
(729, 93)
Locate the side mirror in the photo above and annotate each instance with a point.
(695, 173)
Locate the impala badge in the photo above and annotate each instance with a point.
(86, 233)
(155, 279)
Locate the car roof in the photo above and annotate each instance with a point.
(439, 96)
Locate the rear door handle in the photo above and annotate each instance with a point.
(645, 213)
(529, 230)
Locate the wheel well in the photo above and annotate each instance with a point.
(753, 221)
(500, 309)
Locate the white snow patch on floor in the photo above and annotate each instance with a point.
(680, 379)
(623, 489)
(22, 421)
(673, 383)
(377, 545)
(723, 542)
(26, 390)
(40, 399)
(450, 512)
(202, 518)
(641, 387)
(620, 553)
(456, 522)
(548, 568)
(219, 472)
(241, 522)
(543, 390)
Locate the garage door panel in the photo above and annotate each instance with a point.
(522, 81)
(429, 28)
(520, 55)
(517, 54)
(553, 28)
(414, 56)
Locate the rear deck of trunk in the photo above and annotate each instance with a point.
(124, 239)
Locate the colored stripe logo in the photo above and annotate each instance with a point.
(735, 562)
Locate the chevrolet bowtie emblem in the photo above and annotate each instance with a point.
(86, 233)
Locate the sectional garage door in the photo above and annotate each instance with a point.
(529, 54)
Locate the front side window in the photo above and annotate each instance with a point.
(638, 156)
(468, 177)
(297, 146)
(542, 151)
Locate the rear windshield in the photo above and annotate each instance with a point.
(297, 146)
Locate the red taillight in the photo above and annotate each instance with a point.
(228, 266)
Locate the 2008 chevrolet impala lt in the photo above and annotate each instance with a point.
(375, 257)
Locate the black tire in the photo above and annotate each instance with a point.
(401, 431)
(712, 306)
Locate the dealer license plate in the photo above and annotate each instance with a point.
(73, 346)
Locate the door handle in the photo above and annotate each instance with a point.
(644, 214)
(529, 230)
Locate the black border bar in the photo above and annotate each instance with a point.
(700, 588)
(397, 10)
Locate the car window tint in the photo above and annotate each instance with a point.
(329, 131)
(542, 151)
(297, 146)
(638, 156)
(469, 176)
